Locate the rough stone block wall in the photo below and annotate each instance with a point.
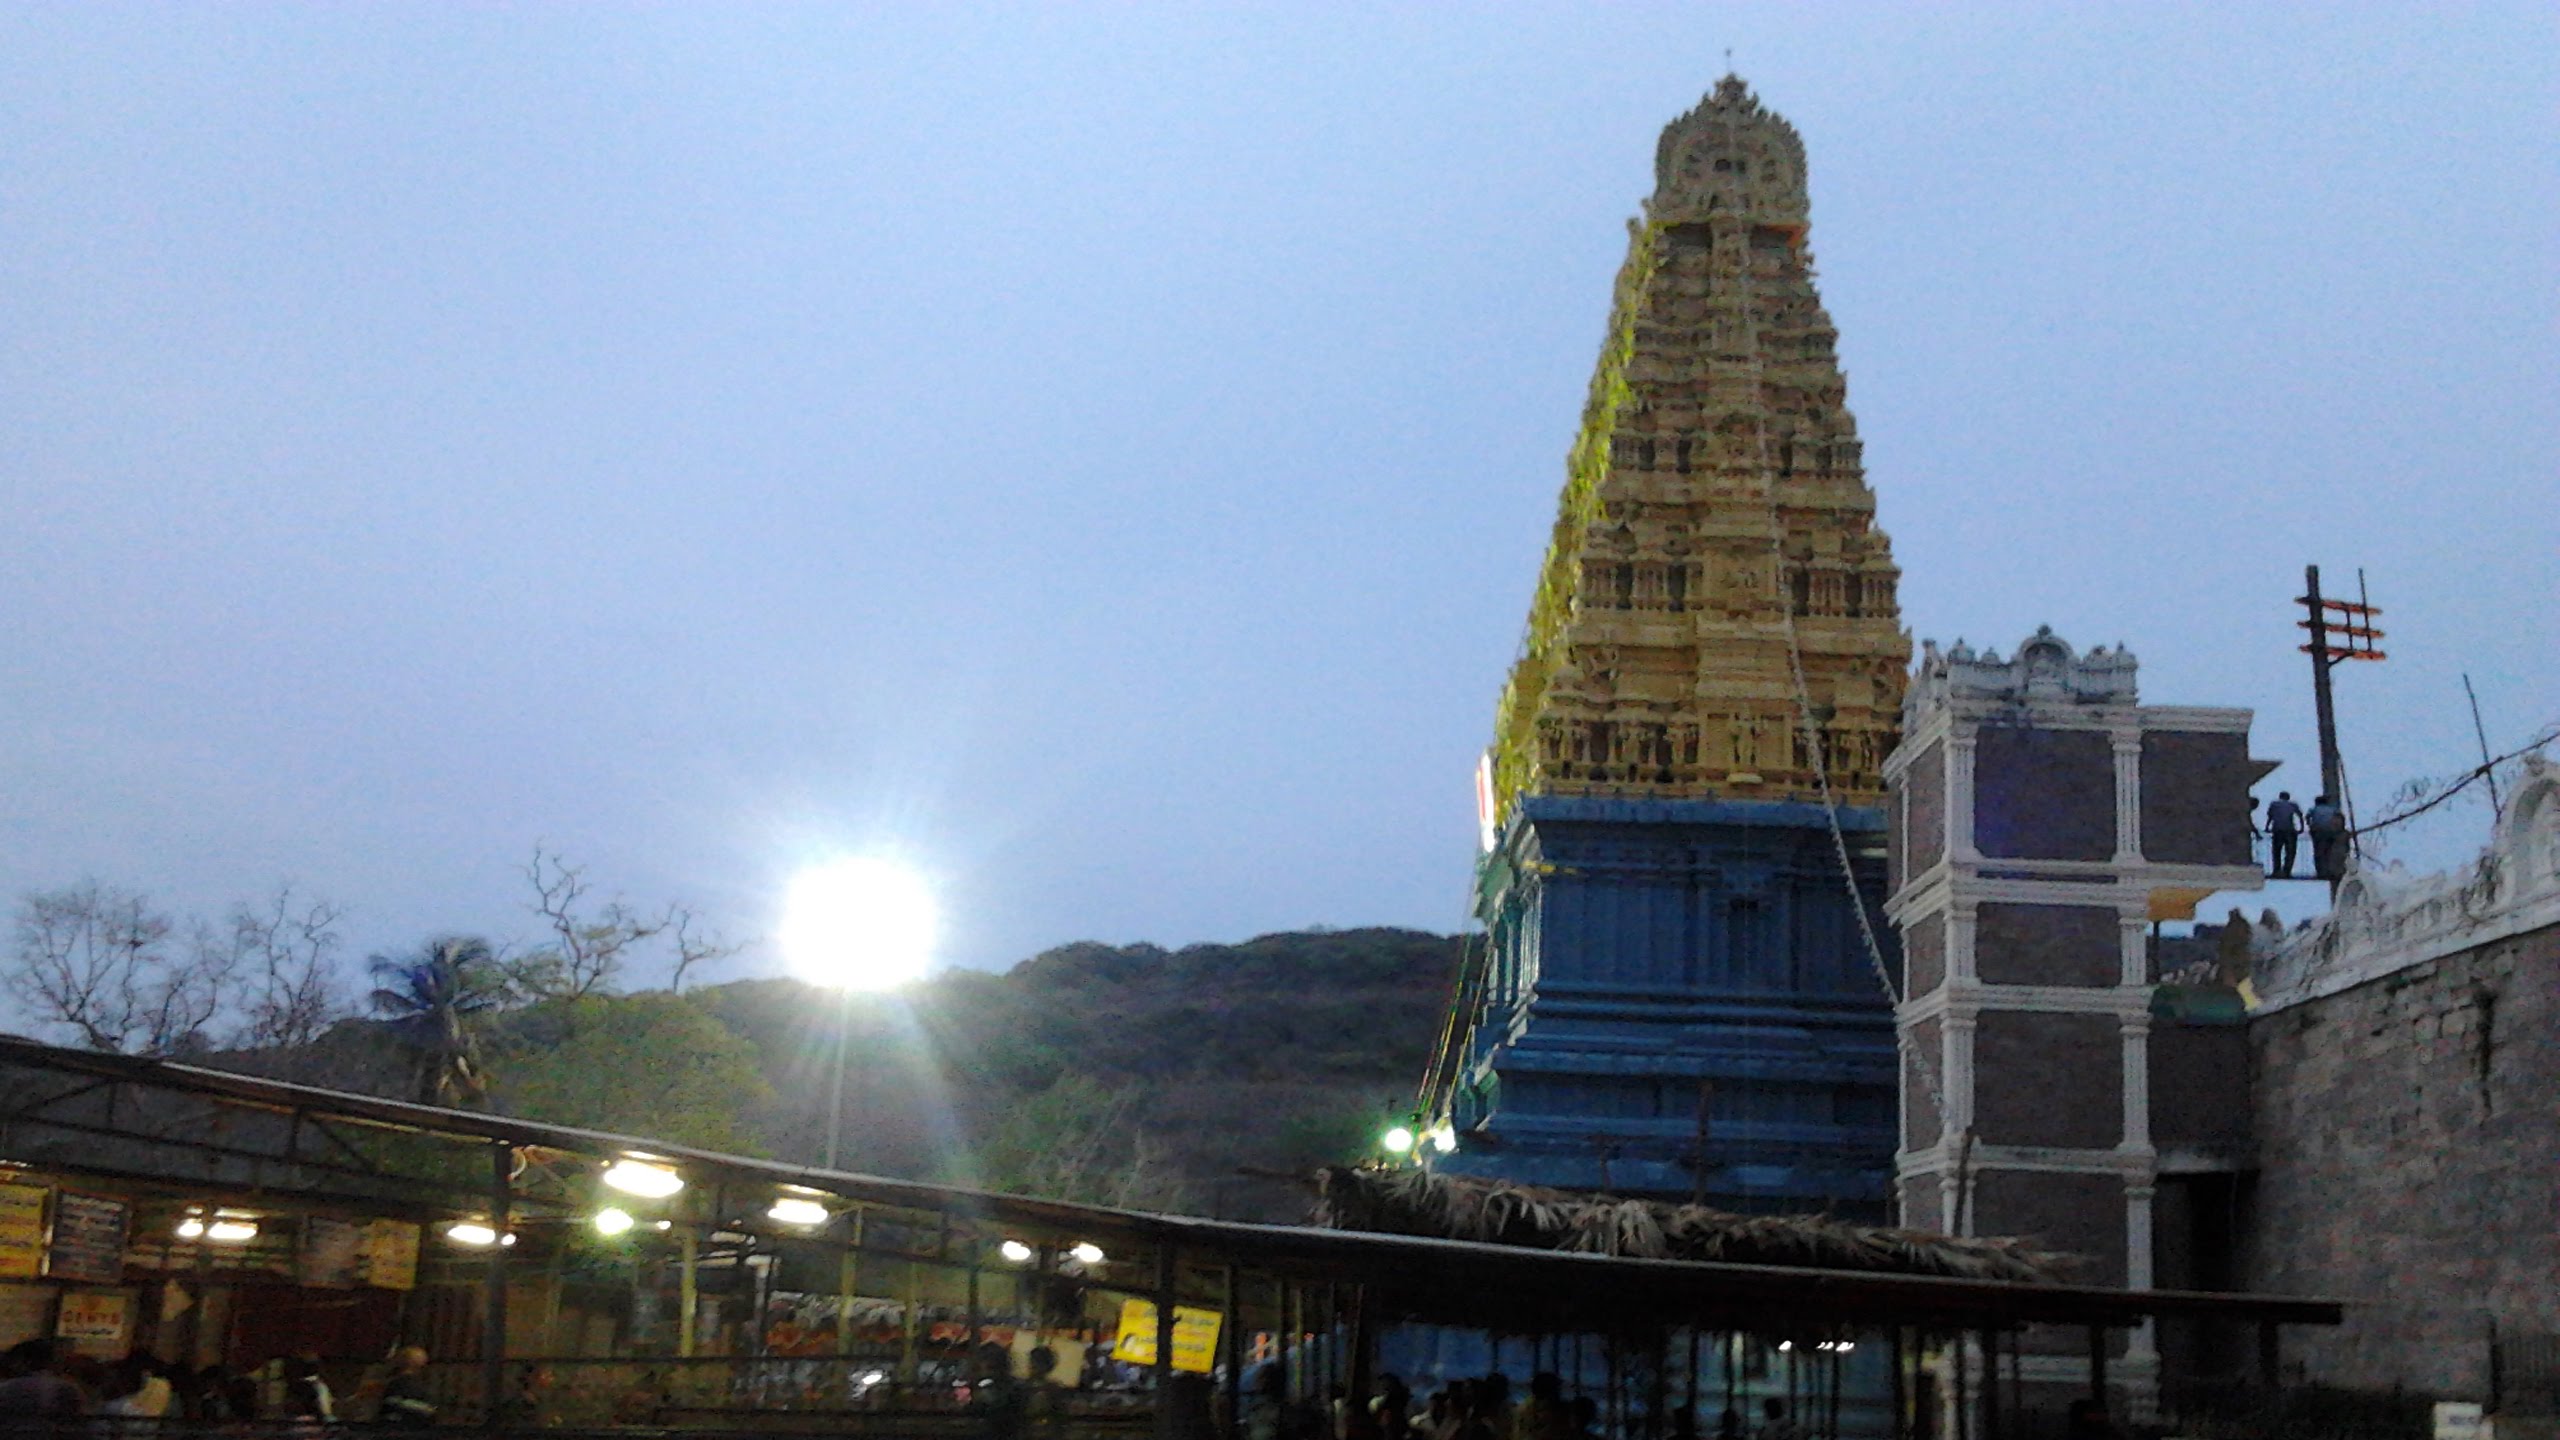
(2195, 797)
(2407, 1130)
(2044, 794)
(2046, 945)
(2054, 1080)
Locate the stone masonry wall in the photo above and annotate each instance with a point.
(2407, 1133)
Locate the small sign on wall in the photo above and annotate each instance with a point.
(93, 1321)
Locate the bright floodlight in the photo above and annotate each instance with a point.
(232, 1232)
(1398, 1140)
(1087, 1253)
(1444, 1140)
(1015, 1252)
(642, 1178)
(861, 924)
(611, 1221)
(798, 1210)
(471, 1232)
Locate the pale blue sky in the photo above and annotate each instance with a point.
(1105, 450)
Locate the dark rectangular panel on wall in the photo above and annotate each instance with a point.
(2195, 797)
(2045, 1079)
(2200, 1088)
(1924, 816)
(2081, 1215)
(1920, 1125)
(2044, 794)
(1924, 955)
(2046, 945)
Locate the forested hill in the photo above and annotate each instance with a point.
(1116, 1074)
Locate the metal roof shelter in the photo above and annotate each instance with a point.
(183, 1132)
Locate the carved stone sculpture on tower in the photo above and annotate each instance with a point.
(1716, 520)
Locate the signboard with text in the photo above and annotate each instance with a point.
(1195, 1336)
(88, 1239)
(388, 1256)
(22, 1231)
(331, 1255)
(93, 1322)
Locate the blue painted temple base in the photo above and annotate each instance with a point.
(1650, 955)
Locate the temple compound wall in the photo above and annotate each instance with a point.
(2406, 1051)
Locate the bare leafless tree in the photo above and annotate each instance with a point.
(692, 949)
(586, 951)
(591, 948)
(96, 961)
(285, 960)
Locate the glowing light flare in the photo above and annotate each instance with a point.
(1399, 1140)
(221, 1229)
(861, 923)
(612, 1221)
(473, 1232)
(798, 1210)
(1086, 1253)
(1444, 1140)
(1015, 1252)
(642, 1178)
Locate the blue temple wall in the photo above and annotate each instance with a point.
(1639, 948)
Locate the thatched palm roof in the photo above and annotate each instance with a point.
(1412, 1201)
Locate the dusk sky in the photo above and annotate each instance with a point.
(1102, 453)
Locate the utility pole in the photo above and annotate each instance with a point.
(2340, 630)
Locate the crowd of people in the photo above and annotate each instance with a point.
(45, 1379)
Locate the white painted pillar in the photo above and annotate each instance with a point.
(2137, 1085)
(1960, 797)
(2128, 752)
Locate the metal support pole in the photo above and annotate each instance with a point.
(848, 1278)
(1965, 1427)
(2098, 1363)
(2328, 716)
(1992, 1428)
(1901, 1389)
(835, 1097)
(1286, 1389)
(688, 1289)
(1166, 1296)
(1231, 1344)
(493, 1319)
(911, 1315)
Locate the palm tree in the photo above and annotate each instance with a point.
(434, 1000)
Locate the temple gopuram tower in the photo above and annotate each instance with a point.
(1676, 998)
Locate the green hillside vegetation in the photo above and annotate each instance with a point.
(1125, 1075)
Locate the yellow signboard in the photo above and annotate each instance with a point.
(1195, 1336)
(21, 1231)
(387, 1257)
